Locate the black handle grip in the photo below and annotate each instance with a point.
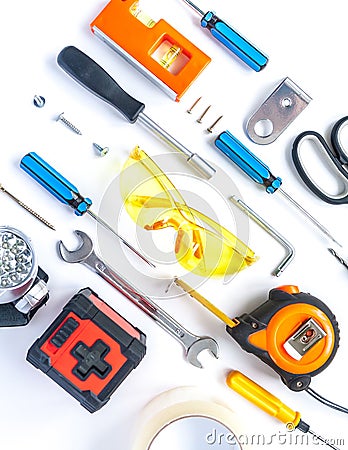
(94, 78)
(342, 153)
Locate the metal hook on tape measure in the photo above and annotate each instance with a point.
(279, 110)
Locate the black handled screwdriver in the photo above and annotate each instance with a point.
(95, 79)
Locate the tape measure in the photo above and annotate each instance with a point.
(293, 332)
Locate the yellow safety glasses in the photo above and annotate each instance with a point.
(202, 246)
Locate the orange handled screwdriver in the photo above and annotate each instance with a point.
(264, 400)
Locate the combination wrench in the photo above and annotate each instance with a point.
(85, 254)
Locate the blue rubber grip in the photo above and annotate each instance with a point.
(234, 41)
(55, 183)
(247, 161)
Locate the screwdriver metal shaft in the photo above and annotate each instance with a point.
(231, 39)
(67, 193)
(194, 7)
(321, 439)
(308, 215)
(201, 165)
(126, 243)
(27, 208)
(94, 78)
(270, 404)
(258, 171)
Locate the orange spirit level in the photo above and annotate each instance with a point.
(156, 49)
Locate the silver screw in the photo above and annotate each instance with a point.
(195, 103)
(210, 129)
(102, 150)
(199, 120)
(39, 101)
(66, 122)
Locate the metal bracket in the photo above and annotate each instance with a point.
(279, 110)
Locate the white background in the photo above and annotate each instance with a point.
(305, 41)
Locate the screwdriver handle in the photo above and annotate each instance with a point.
(247, 161)
(95, 79)
(55, 183)
(234, 41)
(263, 399)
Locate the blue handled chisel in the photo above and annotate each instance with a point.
(260, 172)
(231, 39)
(66, 193)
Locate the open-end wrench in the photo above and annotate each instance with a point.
(85, 254)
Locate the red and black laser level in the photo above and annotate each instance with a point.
(88, 350)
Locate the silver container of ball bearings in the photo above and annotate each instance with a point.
(23, 287)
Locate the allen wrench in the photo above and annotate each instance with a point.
(271, 231)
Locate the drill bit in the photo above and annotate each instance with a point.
(24, 206)
(338, 257)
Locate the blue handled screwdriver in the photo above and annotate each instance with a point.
(66, 193)
(231, 39)
(259, 172)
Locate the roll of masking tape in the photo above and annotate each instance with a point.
(189, 418)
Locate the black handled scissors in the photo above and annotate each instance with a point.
(338, 155)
